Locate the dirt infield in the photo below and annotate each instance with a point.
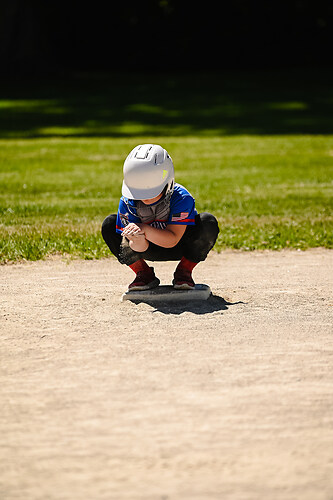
(227, 399)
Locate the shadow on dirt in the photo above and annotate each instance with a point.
(211, 305)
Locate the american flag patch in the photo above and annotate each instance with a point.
(178, 217)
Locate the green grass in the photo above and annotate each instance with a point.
(268, 179)
(267, 193)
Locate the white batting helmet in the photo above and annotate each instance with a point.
(148, 169)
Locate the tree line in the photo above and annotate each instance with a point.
(38, 36)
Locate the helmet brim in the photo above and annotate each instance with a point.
(140, 194)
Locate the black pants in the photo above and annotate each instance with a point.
(195, 244)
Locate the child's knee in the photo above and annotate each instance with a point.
(209, 226)
(109, 225)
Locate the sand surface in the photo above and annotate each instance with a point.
(231, 398)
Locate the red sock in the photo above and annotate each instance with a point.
(139, 265)
(186, 264)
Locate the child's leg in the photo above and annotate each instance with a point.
(182, 278)
(193, 248)
(145, 276)
(197, 242)
(110, 236)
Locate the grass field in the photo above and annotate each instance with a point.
(256, 150)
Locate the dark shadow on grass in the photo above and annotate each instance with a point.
(214, 303)
(128, 105)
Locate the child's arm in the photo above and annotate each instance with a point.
(139, 236)
(167, 238)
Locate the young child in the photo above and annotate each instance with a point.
(157, 221)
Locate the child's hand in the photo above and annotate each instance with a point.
(136, 237)
(133, 232)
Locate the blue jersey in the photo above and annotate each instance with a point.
(179, 210)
